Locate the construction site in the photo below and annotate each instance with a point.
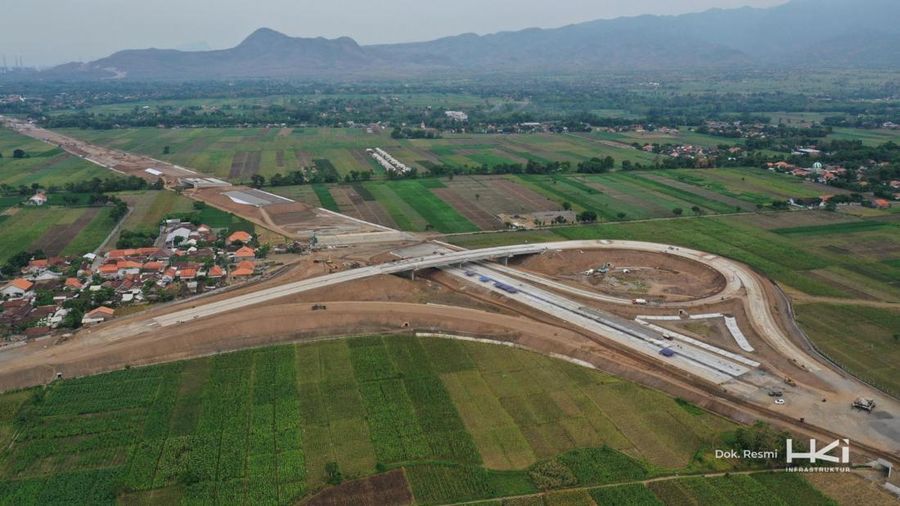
(697, 326)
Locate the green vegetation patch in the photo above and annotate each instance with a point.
(437, 213)
(864, 340)
(835, 228)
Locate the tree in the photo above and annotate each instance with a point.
(621, 216)
(567, 205)
(678, 211)
(587, 217)
(166, 150)
(696, 210)
(333, 472)
(257, 181)
(19, 153)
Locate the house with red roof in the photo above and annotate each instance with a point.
(245, 253)
(244, 269)
(882, 203)
(187, 274)
(73, 284)
(99, 315)
(238, 236)
(17, 289)
(36, 266)
(108, 271)
(216, 272)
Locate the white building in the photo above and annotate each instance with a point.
(457, 115)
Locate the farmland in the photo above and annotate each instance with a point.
(45, 164)
(873, 137)
(468, 203)
(864, 340)
(56, 231)
(237, 153)
(466, 420)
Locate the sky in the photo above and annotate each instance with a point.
(48, 32)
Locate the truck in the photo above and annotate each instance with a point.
(506, 288)
(864, 404)
(639, 302)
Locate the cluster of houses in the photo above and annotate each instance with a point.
(34, 303)
(187, 262)
(737, 129)
(829, 174)
(818, 172)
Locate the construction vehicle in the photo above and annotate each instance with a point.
(864, 404)
(319, 307)
(790, 382)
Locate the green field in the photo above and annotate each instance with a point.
(752, 185)
(221, 152)
(56, 231)
(466, 420)
(781, 489)
(873, 137)
(684, 136)
(46, 165)
(864, 340)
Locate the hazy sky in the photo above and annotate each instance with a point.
(47, 32)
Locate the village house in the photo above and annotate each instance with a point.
(244, 269)
(17, 289)
(245, 253)
(38, 199)
(239, 236)
(98, 315)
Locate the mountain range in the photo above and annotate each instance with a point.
(801, 33)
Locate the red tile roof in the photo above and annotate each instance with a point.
(74, 283)
(239, 235)
(100, 311)
(216, 272)
(22, 284)
(245, 252)
(152, 266)
(188, 273)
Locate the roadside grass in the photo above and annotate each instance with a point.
(865, 340)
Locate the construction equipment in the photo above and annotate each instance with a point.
(319, 307)
(790, 382)
(864, 404)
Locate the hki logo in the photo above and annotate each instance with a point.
(813, 455)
